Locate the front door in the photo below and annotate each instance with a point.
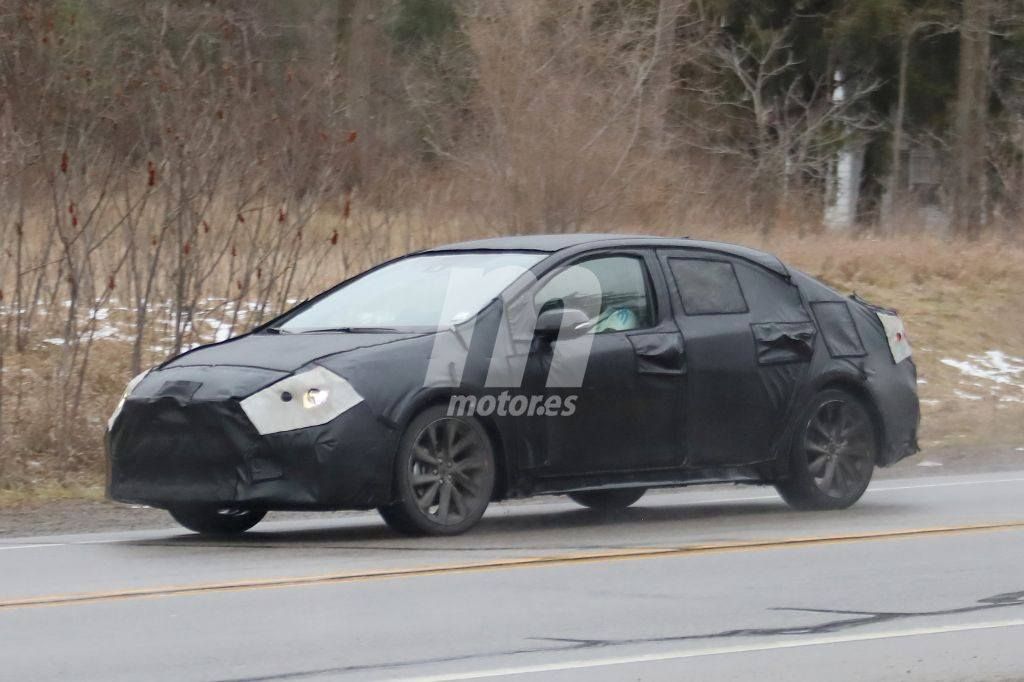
(624, 408)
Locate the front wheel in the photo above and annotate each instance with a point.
(209, 520)
(833, 454)
(444, 475)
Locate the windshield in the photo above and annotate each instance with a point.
(416, 293)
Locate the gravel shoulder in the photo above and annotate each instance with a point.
(29, 517)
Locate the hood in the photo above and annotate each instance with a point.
(280, 352)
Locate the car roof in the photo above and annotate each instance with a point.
(553, 243)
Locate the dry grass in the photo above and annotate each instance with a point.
(957, 299)
(49, 492)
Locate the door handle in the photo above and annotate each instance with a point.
(659, 353)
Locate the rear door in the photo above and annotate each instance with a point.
(748, 342)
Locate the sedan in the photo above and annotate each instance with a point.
(596, 366)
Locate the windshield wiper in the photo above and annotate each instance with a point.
(275, 330)
(351, 330)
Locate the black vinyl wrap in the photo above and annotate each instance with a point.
(165, 452)
(782, 342)
(697, 396)
(660, 353)
(838, 328)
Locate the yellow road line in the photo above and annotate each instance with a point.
(499, 564)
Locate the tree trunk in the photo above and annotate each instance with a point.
(660, 81)
(354, 55)
(971, 119)
(894, 196)
(343, 30)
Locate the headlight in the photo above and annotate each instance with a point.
(310, 398)
(315, 397)
(124, 396)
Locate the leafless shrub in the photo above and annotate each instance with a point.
(175, 173)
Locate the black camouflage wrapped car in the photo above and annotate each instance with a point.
(592, 365)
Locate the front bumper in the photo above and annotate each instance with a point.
(165, 452)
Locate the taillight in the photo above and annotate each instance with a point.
(896, 335)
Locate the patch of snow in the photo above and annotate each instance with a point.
(922, 381)
(965, 396)
(107, 332)
(993, 372)
(993, 365)
(929, 463)
(928, 401)
(56, 341)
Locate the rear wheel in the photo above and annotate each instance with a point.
(210, 520)
(608, 500)
(444, 475)
(833, 454)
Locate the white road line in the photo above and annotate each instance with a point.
(36, 546)
(711, 651)
(948, 484)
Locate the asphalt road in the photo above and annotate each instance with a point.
(921, 580)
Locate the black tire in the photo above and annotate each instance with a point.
(608, 500)
(210, 520)
(833, 454)
(444, 475)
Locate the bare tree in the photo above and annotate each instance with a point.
(972, 118)
(915, 25)
(781, 128)
(662, 62)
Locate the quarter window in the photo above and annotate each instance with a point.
(707, 287)
(611, 290)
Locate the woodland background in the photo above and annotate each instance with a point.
(175, 172)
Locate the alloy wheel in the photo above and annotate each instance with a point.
(449, 471)
(838, 443)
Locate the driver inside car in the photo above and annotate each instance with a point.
(615, 319)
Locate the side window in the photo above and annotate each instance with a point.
(611, 290)
(707, 286)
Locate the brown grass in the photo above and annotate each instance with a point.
(957, 299)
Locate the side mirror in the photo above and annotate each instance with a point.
(567, 322)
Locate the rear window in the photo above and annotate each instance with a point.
(707, 287)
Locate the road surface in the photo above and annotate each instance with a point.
(923, 579)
